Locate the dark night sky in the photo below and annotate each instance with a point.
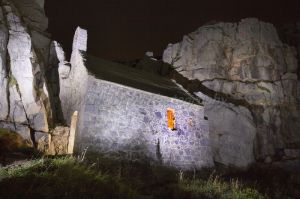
(125, 29)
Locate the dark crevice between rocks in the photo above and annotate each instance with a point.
(158, 153)
(32, 137)
(8, 84)
(196, 86)
(243, 81)
(290, 34)
(53, 88)
(38, 62)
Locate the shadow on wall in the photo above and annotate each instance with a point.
(53, 86)
(158, 152)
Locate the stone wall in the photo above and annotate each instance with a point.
(124, 122)
(73, 75)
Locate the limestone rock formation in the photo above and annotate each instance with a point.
(247, 63)
(23, 67)
(247, 51)
(26, 95)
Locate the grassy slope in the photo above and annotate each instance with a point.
(70, 178)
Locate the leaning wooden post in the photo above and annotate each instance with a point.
(72, 132)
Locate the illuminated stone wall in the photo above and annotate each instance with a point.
(123, 122)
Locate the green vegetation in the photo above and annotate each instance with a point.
(68, 177)
(263, 88)
(12, 80)
(60, 178)
(215, 188)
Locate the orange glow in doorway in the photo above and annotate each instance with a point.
(171, 119)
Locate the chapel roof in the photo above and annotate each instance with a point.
(135, 78)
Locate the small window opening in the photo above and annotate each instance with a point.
(171, 119)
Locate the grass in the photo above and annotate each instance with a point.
(60, 178)
(68, 177)
(216, 188)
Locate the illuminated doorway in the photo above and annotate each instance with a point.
(171, 119)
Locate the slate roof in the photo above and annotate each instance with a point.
(135, 78)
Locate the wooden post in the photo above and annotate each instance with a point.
(50, 150)
(72, 132)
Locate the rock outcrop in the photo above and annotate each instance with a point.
(24, 105)
(247, 63)
(29, 77)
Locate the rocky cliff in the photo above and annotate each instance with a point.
(24, 105)
(253, 106)
(29, 72)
